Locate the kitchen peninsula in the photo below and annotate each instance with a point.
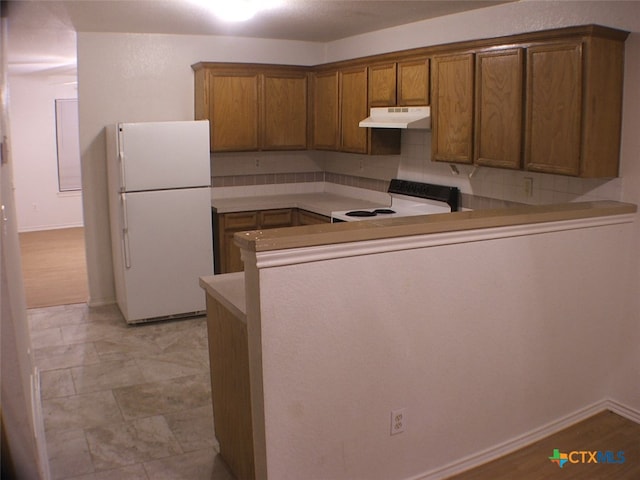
(480, 325)
(232, 215)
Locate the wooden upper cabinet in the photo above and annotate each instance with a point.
(284, 125)
(603, 61)
(554, 98)
(234, 111)
(574, 107)
(340, 103)
(452, 108)
(405, 83)
(544, 101)
(252, 107)
(353, 109)
(413, 82)
(498, 108)
(325, 110)
(382, 85)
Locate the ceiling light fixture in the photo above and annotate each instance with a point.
(238, 10)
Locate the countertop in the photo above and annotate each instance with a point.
(321, 203)
(228, 289)
(326, 234)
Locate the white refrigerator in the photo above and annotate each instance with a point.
(159, 178)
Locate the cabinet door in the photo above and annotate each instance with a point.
(234, 111)
(284, 125)
(353, 109)
(230, 223)
(382, 85)
(306, 217)
(499, 100)
(325, 111)
(452, 108)
(282, 217)
(554, 86)
(413, 82)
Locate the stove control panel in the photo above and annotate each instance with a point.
(450, 195)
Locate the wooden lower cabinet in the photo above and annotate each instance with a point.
(227, 253)
(228, 224)
(306, 217)
(282, 217)
(230, 388)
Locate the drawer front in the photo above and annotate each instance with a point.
(276, 218)
(241, 220)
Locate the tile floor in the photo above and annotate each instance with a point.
(125, 402)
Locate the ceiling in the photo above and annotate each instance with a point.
(42, 32)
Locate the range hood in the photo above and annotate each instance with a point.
(398, 117)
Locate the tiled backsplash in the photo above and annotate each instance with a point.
(267, 179)
(481, 187)
(484, 187)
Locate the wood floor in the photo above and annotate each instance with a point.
(54, 267)
(603, 432)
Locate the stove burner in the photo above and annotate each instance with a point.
(384, 211)
(361, 213)
(370, 213)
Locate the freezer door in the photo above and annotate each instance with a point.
(166, 245)
(161, 155)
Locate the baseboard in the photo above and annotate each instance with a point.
(623, 410)
(525, 439)
(39, 228)
(101, 302)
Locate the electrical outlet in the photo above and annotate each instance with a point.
(257, 163)
(398, 420)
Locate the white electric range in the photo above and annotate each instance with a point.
(407, 198)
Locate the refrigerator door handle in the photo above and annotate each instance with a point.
(121, 161)
(125, 232)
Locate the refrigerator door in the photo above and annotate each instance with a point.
(161, 155)
(165, 246)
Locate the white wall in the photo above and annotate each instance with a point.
(627, 386)
(39, 204)
(129, 78)
(22, 428)
(512, 18)
(482, 336)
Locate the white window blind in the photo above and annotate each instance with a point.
(68, 141)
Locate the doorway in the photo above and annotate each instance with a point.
(54, 267)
